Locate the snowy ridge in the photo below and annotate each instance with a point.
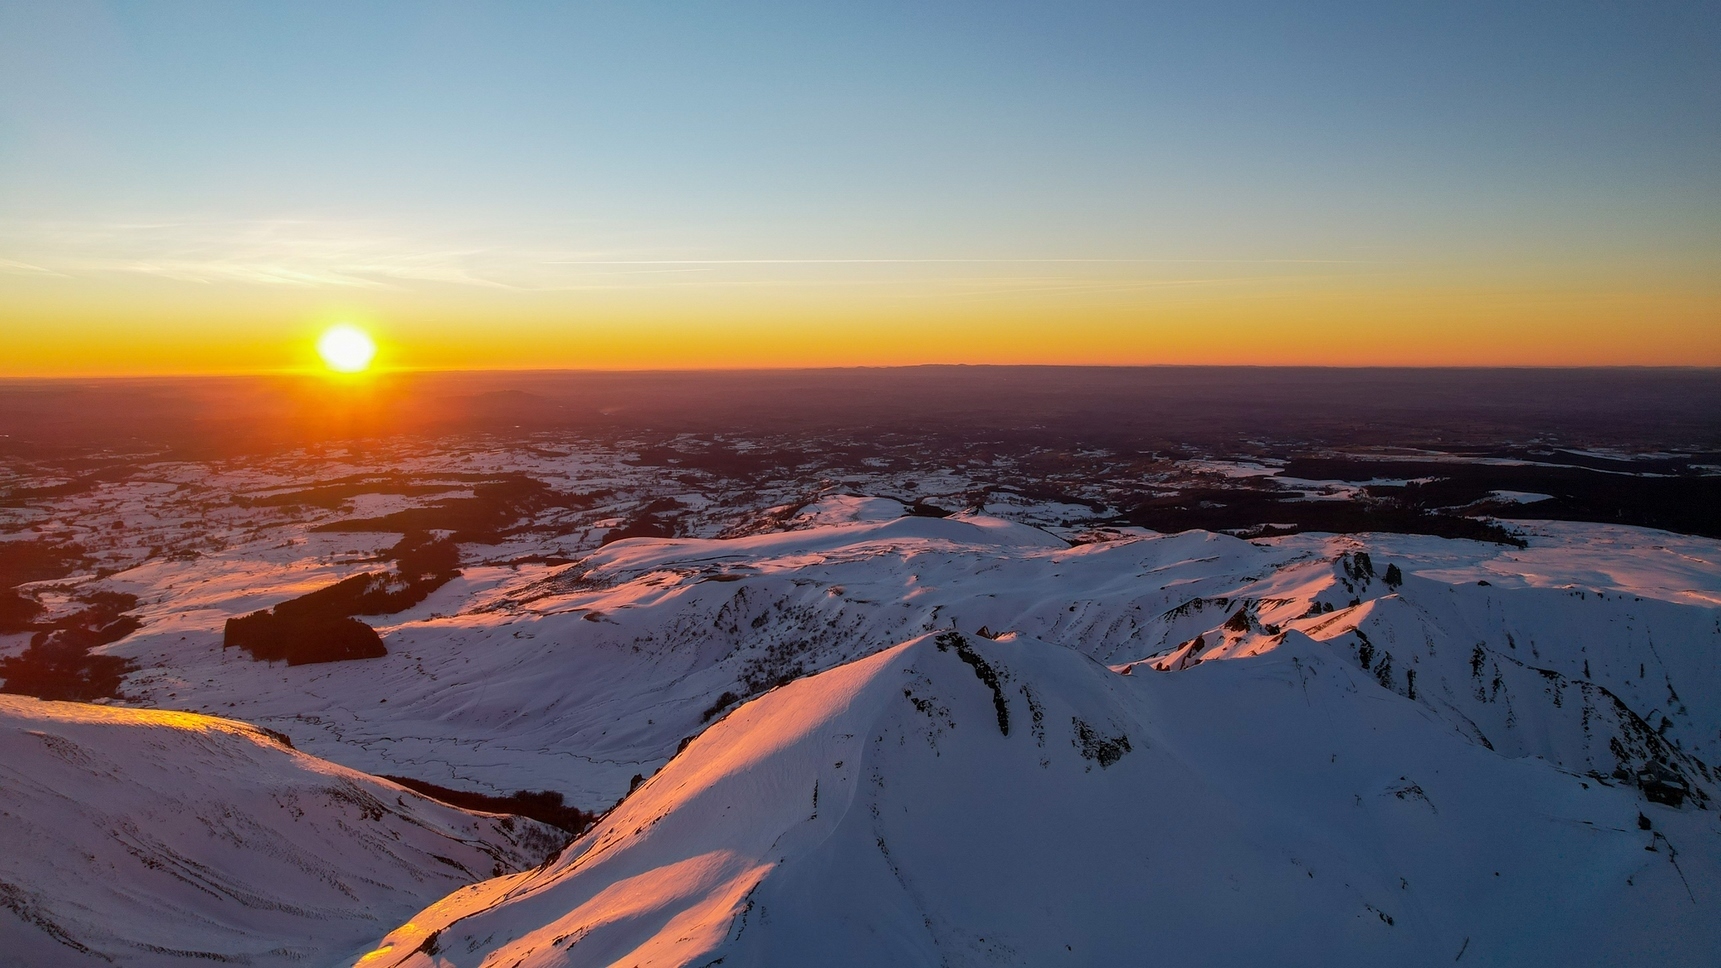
(140, 837)
(1555, 674)
(576, 679)
(961, 801)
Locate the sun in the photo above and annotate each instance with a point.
(346, 348)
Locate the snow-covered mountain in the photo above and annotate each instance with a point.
(962, 801)
(136, 837)
(578, 678)
(1313, 748)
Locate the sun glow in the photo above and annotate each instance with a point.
(346, 348)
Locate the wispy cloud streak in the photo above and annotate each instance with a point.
(369, 255)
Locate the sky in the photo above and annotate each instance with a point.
(207, 186)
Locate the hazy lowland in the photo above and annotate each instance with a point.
(933, 665)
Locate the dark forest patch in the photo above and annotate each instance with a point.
(59, 665)
(1048, 495)
(18, 612)
(88, 476)
(654, 520)
(1259, 512)
(719, 460)
(27, 561)
(1686, 502)
(302, 637)
(494, 508)
(334, 494)
(319, 626)
(920, 509)
(59, 662)
(544, 806)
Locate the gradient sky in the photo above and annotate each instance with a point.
(204, 186)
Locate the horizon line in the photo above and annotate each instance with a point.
(380, 373)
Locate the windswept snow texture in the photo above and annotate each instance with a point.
(159, 838)
(967, 802)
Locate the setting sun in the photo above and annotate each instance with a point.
(346, 349)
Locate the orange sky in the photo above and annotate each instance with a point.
(879, 315)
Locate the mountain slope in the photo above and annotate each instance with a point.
(961, 801)
(159, 838)
(579, 680)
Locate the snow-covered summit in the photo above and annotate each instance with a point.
(963, 801)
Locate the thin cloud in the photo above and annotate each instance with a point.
(281, 252)
(11, 265)
(371, 255)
